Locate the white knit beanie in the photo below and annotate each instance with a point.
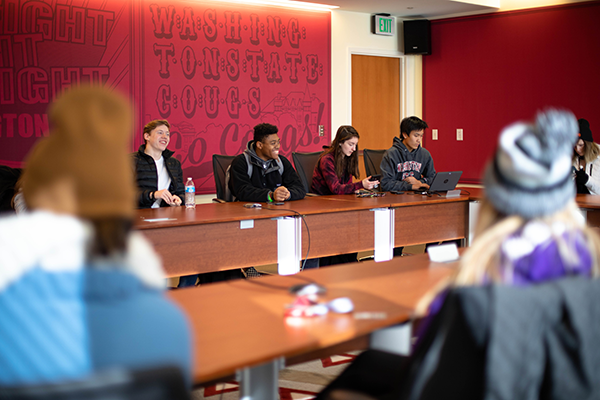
(530, 174)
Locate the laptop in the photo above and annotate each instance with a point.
(444, 181)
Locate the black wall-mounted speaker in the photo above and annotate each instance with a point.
(417, 36)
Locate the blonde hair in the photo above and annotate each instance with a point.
(481, 262)
(591, 151)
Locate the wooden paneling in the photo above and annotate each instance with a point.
(338, 233)
(376, 100)
(430, 223)
(593, 219)
(187, 250)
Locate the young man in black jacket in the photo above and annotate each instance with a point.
(158, 174)
(260, 174)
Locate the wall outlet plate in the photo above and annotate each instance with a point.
(434, 134)
(459, 134)
(321, 130)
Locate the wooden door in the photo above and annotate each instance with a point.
(375, 101)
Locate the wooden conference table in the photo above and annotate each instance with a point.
(247, 331)
(215, 237)
(209, 237)
(590, 204)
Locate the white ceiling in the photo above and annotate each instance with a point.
(407, 8)
(432, 9)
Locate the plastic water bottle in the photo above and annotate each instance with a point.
(190, 194)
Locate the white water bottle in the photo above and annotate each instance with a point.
(190, 194)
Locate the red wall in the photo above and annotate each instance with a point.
(214, 70)
(488, 71)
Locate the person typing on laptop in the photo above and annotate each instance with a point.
(407, 165)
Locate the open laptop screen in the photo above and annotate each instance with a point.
(444, 181)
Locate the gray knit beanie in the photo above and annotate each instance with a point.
(530, 174)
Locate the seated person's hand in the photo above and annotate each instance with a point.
(166, 196)
(176, 201)
(281, 194)
(415, 183)
(420, 186)
(367, 184)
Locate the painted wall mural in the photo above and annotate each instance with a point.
(212, 69)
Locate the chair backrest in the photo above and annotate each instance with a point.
(149, 384)
(220, 165)
(305, 166)
(8, 179)
(372, 159)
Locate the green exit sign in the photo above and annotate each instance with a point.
(384, 25)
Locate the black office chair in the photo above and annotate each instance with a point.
(372, 159)
(220, 165)
(305, 166)
(8, 179)
(162, 383)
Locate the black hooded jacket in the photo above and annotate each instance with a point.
(266, 177)
(399, 162)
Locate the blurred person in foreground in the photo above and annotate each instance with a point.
(529, 231)
(80, 292)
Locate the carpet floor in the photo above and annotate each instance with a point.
(299, 382)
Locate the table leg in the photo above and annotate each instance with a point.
(395, 339)
(260, 382)
(289, 245)
(474, 207)
(384, 233)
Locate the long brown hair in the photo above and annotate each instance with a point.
(344, 164)
(590, 152)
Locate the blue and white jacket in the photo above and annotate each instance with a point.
(64, 318)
